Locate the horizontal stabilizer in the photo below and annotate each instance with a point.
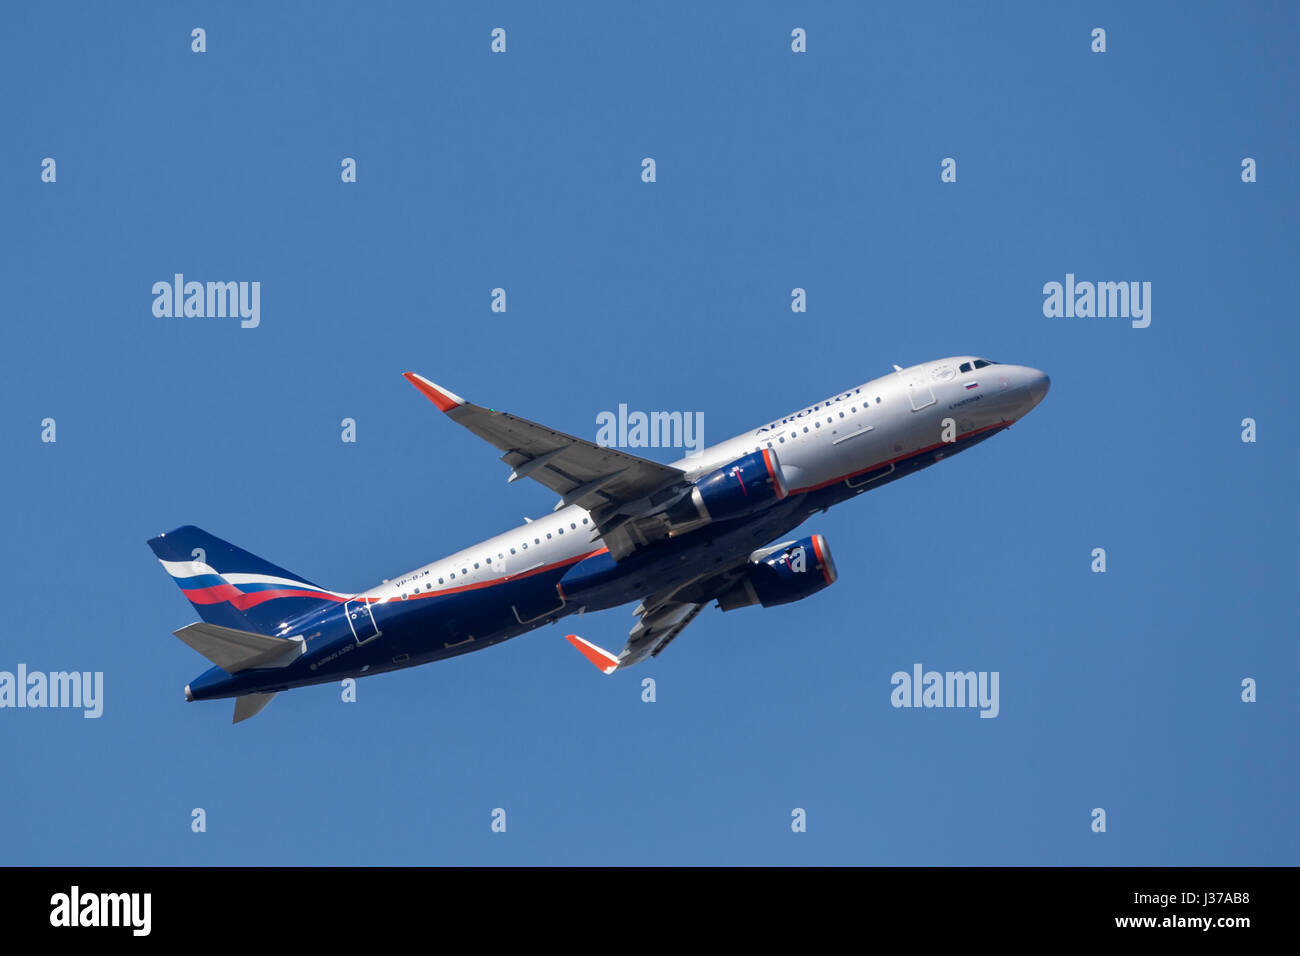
(250, 705)
(603, 659)
(233, 650)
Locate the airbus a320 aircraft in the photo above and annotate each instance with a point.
(675, 537)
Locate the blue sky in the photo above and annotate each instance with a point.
(775, 170)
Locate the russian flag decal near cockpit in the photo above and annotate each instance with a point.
(972, 385)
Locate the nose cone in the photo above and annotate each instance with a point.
(1038, 385)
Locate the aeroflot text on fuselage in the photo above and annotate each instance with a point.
(810, 410)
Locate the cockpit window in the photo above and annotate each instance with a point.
(980, 363)
(965, 367)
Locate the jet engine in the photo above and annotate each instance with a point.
(782, 574)
(737, 489)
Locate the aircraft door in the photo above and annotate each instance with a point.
(361, 620)
(919, 392)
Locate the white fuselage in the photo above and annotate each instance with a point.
(852, 433)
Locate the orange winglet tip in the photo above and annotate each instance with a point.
(606, 662)
(444, 399)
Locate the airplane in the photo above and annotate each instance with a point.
(675, 537)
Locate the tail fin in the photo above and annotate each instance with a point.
(232, 588)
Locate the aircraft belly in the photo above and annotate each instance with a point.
(681, 560)
(474, 618)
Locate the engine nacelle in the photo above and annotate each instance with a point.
(789, 572)
(732, 491)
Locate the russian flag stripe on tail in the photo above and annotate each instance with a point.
(232, 587)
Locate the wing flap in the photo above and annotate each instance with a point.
(653, 633)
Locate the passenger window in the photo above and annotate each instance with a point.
(548, 536)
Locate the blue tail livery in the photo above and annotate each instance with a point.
(231, 587)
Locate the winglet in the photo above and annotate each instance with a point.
(604, 660)
(444, 399)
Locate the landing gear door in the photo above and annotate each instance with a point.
(361, 620)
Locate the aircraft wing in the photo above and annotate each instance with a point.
(596, 478)
(662, 617)
(650, 636)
